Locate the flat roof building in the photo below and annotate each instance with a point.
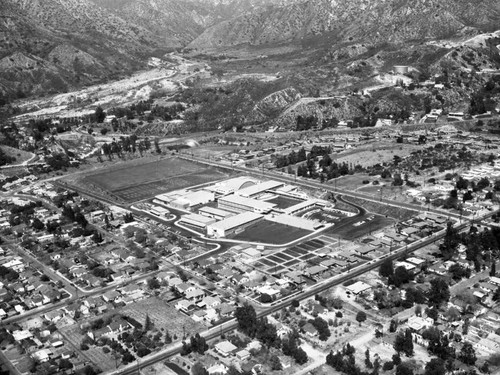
(358, 287)
(236, 203)
(297, 222)
(233, 224)
(215, 213)
(304, 205)
(198, 221)
(254, 190)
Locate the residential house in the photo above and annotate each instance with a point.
(210, 302)
(243, 355)
(226, 310)
(195, 295)
(310, 330)
(54, 315)
(118, 325)
(130, 289)
(199, 315)
(185, 306)
(91, 280)
(71, 310)
(78, 272)
(111, 296)
(225, 348)
(185, 288)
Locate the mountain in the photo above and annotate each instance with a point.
(370, 21)
(50, 46)
(78, 42)
(178, 22)
(55, 45)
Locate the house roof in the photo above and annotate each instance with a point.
(226, 347)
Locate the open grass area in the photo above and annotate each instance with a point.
(20, 155)
(269, 232)
(142, 181)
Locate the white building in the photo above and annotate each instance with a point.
(231, 225)
(238, 203)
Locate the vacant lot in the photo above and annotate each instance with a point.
(398, 213)
(141, 181)
(351, 231)
(269, 232)
(163, 315)
(371, 155)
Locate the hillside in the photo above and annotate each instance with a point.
(178, 22)
(392, 21)
(54, 46)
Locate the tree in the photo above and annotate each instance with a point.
(393, 325)
(361, 317)
(435, 367)
(198, 369)
(401, 276)
(368, 362)
(386, 269)
(450, 242)
(322, 327)
(153, 283)
(493, 270)
(404, 369)
(439, 292)
(99, 114)
(198, 344)
(404, 343)
(37, 224)
(275, 363)
(462, 184)
(148, 324)
(300, 356)
(468, 354)
(247, 319)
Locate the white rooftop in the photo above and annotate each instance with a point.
(259, 188)
(255, 203)
(236, 221)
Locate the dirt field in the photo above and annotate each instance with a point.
(397, 213)
(141, 181)
(163, 315)
(375, 155)
(351, 232)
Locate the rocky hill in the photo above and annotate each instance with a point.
(54, 45)
(393, 21)
(178, 22)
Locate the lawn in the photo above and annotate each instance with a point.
(133, 182)
(270, 232)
